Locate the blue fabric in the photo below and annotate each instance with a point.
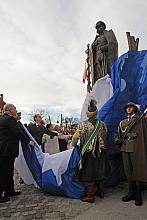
(70, 186)
(31, 158)
(32, 162)
(129, 81)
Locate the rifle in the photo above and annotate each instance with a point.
(129, 128)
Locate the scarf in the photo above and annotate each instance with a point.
(89, 141)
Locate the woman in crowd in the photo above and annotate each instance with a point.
(50, 140)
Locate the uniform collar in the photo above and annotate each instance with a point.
(130, 117)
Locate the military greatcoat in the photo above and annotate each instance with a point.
(136, 145)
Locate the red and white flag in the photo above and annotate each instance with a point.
(86, 72)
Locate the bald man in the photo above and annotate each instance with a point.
(10, 134)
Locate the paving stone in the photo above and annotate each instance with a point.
(34, 204)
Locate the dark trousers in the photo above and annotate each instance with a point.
(6, 174)
(128, 165)
(62, 145)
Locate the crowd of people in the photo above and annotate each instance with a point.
(91, 139)
(46, 135)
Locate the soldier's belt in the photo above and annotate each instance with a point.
(131, 135)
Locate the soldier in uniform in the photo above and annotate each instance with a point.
(134, 152)
(93, 164)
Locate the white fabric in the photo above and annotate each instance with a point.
(58, 163)
(22, 168)
(85, 106)
(51, 146)
(102, 91)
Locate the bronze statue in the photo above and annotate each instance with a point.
(104, 50)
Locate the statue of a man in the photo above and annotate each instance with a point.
(104, 50)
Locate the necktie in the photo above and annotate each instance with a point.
(129, 118)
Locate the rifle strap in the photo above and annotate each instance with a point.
(129, 126)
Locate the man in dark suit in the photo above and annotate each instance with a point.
(37, 129)
(10, 134)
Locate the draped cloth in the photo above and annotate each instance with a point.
(55, 173)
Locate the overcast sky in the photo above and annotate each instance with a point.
(42, 44)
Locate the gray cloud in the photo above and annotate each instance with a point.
(42, 46)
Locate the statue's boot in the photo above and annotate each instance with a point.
(100, 190)
(89, 197)
(138, 196)
(131, 195)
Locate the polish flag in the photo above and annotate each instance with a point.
(86, 72)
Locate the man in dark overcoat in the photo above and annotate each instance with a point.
(10, 134)
(134, 152)
(37, 129)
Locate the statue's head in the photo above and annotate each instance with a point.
(100, 26)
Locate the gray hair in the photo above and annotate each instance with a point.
(7, 107)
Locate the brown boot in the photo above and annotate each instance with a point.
(89, 197)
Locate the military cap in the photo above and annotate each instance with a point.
(131, 104)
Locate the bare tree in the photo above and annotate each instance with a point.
(70, 121)
(46, 117)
